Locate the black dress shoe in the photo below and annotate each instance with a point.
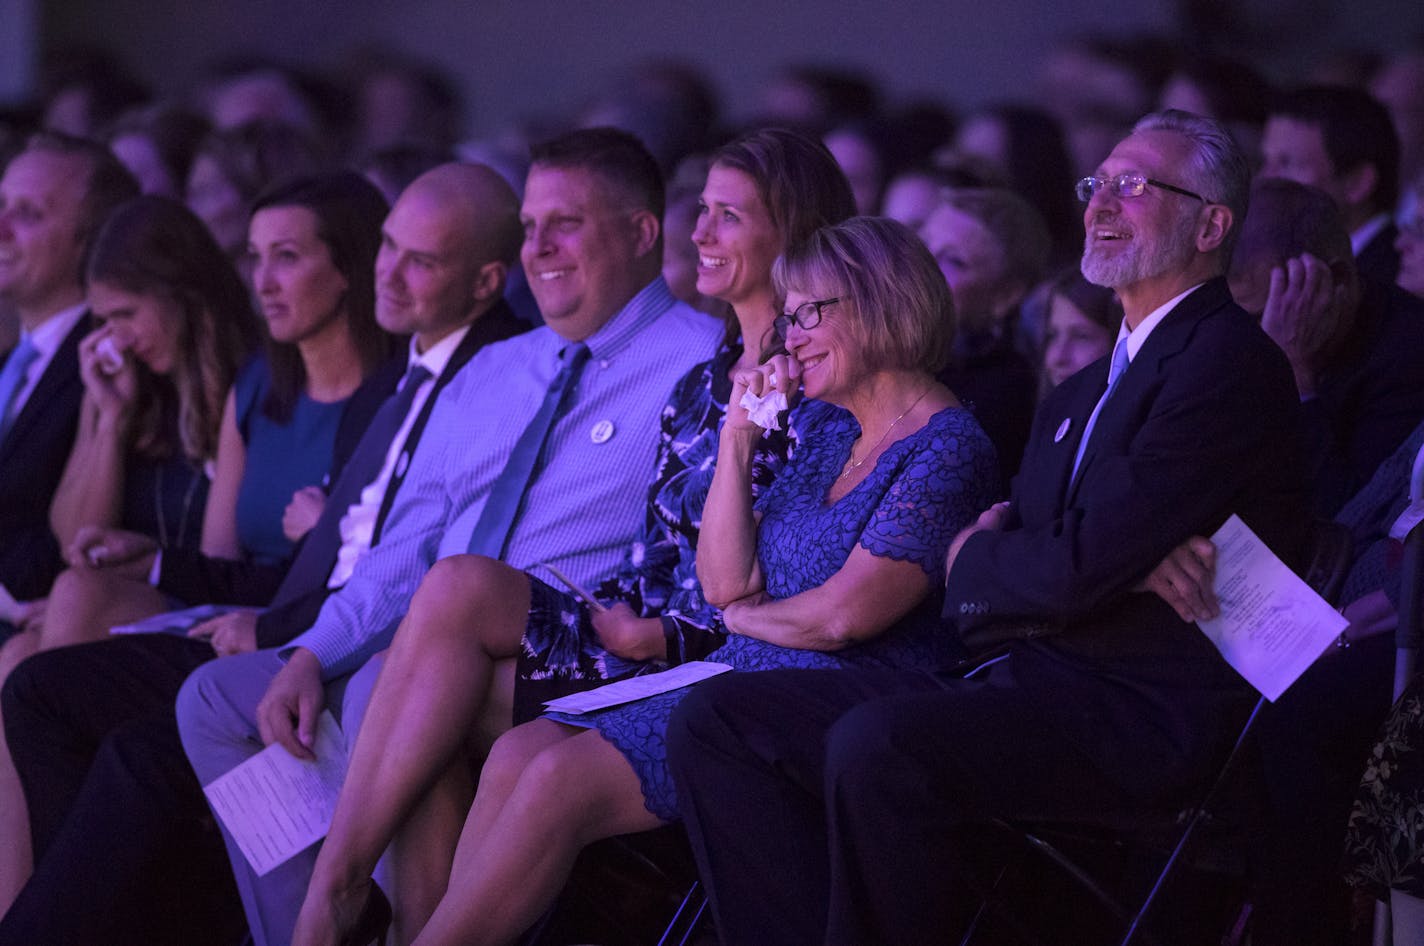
(374, 922)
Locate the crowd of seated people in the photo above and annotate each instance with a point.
(437, 429)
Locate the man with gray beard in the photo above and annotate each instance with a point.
(1087, 698)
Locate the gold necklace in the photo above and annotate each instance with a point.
(857, 464)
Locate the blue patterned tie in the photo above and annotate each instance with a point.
(491, 532)
(317, 555)
(1115, 370)
(12, 379)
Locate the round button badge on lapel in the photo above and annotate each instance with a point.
(602, 432)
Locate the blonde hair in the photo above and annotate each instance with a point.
(899, 307)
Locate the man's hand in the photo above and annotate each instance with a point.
(624, 634)
(231, 633)
(1304, 309)
(1183, 579)
(302, 512)
(129, 554)
(992, 519)
(295, 698)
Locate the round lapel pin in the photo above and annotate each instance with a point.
(602, 432)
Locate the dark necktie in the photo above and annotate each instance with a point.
(1116, 367)
(317, 554)
(491, 532)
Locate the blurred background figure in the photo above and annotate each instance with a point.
(991, 246)
(234, 165)
(401, 103)
(669, 105)
(1025, 147)
(1410, 244)
(158, 143)
(1097, 88)
(1399, 87)
(83, 90)
(1229, 90)
(1341, 140)
(1080, 324)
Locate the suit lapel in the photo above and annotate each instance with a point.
(1142, 376)
(61, 372)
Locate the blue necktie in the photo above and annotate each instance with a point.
(491, 532)
(1115, 370)
(317, 555)
(12, 379)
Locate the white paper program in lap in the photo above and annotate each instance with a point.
(637, 688)
(276, 805)
(1272, 624)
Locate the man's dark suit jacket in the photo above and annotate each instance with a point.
(32, 461)
(1378, 259)
(129, 792)
(1369, 398)
(1204, 423)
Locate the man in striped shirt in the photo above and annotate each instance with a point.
(592, 249)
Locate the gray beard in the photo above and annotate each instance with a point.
(1141, 262)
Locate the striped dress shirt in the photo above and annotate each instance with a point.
(585, 505)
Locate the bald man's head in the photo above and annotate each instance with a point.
(446, 249)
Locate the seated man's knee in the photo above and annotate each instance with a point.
(866, 747)
(214, 703)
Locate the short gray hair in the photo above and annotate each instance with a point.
(1218, 169)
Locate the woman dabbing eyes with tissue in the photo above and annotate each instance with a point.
(765, 192)
(836, 564)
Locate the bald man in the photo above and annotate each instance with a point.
(92, 727)
(613, 344)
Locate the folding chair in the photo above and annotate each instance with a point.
(1330, 551)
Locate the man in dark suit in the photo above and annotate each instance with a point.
(91, 727)
(54, 196)
(1342, 141)
(833, 806)
(1356, 346)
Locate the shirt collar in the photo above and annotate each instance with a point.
(641, 311)
(1137, 337)
(1367, 231)
(439, 354)
(53, 330)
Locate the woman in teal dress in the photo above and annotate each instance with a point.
(838, 564)
(313, 243)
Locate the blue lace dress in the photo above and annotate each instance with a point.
(560, 652)
(922, 491)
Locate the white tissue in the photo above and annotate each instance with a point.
(762, 410)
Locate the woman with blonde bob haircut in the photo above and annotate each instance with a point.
(905, 315)
(837, 564)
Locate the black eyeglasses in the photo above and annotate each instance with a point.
(1128, 185)
(807, 315)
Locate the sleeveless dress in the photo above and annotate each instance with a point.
(281, 459)
(923, 490)
(560, 653)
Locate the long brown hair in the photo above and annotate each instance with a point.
(349, 212)
(156, 246)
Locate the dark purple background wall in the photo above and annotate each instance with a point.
(520, 57)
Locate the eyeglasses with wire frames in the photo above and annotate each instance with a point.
(1130, 184)
(807, 315)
